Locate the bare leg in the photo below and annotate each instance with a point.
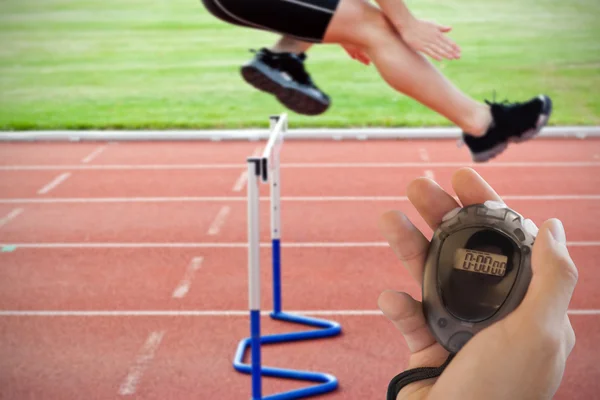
(361, 24)
(288, 45)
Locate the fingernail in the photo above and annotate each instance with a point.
(557, 230)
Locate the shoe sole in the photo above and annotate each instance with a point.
(491, 153)
(541, 123)
(290, 95)
(528, 135)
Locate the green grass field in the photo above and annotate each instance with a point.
(169, 64)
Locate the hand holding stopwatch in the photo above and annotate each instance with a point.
(477, 271)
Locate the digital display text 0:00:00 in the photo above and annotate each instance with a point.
(481, 262)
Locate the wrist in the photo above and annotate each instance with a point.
(403, 22)
(397, 13)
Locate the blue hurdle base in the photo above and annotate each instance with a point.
(327, 382)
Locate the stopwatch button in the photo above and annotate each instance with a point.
(458, 340)
(494, 205)
(530, 227)
(451, 214)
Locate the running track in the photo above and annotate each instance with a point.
(123, 265)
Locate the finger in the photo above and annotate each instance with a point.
(407, 242)
(471, 188)
(437, 50)
(452, 43)
(431, 53)
(349, 51)
(407, 315)
(442, 52)
(448, 48)
(455, 48)
(554, 276)
(363, 58)
(570, 339)
(443, 46)
(444, 28)
(448, 41)
(430, 200)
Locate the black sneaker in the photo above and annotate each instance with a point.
(283, 75)
(512, 122)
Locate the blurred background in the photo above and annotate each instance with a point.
(168, 63)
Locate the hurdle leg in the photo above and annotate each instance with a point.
(254, 275)
(275, 190)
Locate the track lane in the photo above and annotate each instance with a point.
(145, 279)
(90, 357)
(313, 181)
(354, 151)
(17, 184)
(301, 221)
(347, 151)
(45, 153)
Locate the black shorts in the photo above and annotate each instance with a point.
(305, 20)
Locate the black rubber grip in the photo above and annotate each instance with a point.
(414, 375)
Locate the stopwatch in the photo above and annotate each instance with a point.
(477, 270)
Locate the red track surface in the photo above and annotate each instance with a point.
(152, 206)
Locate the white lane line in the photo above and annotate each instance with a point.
(209, 199)
(240, 183)
(206, 313)
(145, 356)
(362, 165)
(215, 227)
(54, 183)
(90, 157)
(220, 245)
(10, 216)
(184, 286)
(429, 174)
(423, 154)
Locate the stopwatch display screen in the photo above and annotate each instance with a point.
(480, 262)
(477, 269)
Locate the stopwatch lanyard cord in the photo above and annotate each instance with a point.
(414, 375)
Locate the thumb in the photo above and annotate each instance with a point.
(554, 274)
(445, 29)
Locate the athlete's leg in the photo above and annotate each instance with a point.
(487, 129)
(286, 44)
(402, 68)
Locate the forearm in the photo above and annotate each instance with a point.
(396, 12)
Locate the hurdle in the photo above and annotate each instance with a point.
(265, 169)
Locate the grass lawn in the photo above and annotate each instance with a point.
(169, 64)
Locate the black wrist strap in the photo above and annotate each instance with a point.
(414, 375)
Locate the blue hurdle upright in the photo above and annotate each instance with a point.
(266, 169)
